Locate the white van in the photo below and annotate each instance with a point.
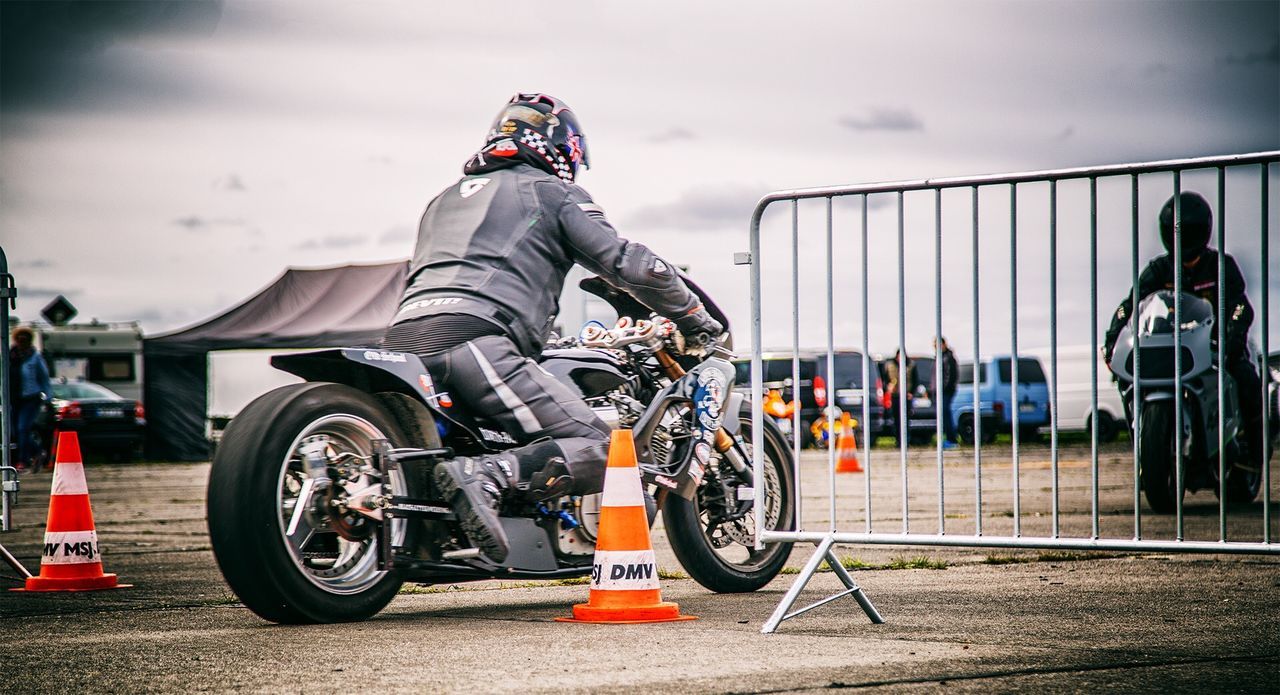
(1074, 396)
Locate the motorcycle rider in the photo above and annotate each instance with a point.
(482, 293)
(1200, 277)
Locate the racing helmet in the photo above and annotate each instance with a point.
(1197, 222)
(542, 127)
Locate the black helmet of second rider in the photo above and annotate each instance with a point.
(541, 130)
(1197, 224)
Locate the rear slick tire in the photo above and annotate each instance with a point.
(686, 527)
(248, 482)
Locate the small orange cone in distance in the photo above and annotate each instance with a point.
(70, 561)
(847, 454)
(624, 578)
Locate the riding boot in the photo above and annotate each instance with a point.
(554, 480)
(475, 487)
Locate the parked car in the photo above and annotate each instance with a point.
(1075, 409)
(816, 386)
(922, 410)
(995, 376)
(847, 389)
(104, 421)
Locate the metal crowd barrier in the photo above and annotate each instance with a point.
(826, 538)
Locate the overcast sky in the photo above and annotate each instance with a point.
(162, 161)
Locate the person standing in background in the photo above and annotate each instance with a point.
(29, 388)
(950, 381)
(893, 393)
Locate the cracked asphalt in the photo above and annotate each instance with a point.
(988, 621)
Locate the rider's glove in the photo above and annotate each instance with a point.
(698, 328)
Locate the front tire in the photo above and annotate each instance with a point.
(256, 483)
(1156, 456)
(722, 562)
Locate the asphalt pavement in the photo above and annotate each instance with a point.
(956, 619)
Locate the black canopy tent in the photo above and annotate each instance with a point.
(303, 308)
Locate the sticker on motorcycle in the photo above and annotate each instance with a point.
(708, 397)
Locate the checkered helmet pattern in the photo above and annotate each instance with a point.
(544, 128)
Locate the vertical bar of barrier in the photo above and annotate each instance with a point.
(938, 386)
(1053, 346)
(1222, 351)
(1266, 356)
(902, 359)
(1177, 347)
(1136, 404)
(977, 383)
(795, 353)
(1093, 347)
(757, 381)
(831, 375)
(866, 372)
(1014, 404)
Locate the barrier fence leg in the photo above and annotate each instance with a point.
(823, 552)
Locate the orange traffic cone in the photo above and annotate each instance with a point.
(71, 561)
(847, 456)
(624, 578)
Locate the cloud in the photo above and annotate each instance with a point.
(398, 234)
(230, 182)
(879, 118)
(41, 293)
(196, 223)
(60, 53)
(33, 264)
(1065, 134)
(1156, 69)
(673, 135)
(333, 241)
(714, 207)
(1271, 55)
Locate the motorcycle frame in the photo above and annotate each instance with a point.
(383, 371)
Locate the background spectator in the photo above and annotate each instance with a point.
(28, 390)
(950, 379)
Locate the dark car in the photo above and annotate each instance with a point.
(816, 386)
(847, 389)
(103, 420)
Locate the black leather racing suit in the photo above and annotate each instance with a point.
(1201, 280)
(483, 290)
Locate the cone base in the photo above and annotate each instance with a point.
(106, 581)
(662, 612)
(852, 467)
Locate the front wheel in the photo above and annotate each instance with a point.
(717, 550)
(1157, 448)
(282, 535)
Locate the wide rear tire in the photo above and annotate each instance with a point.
(253, 473)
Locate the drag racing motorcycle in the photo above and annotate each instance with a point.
(322, 503)
(1157, 423)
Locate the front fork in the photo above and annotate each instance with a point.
(711, 394)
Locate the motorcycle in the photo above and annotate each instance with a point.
(322, 504)
(1157, 426)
